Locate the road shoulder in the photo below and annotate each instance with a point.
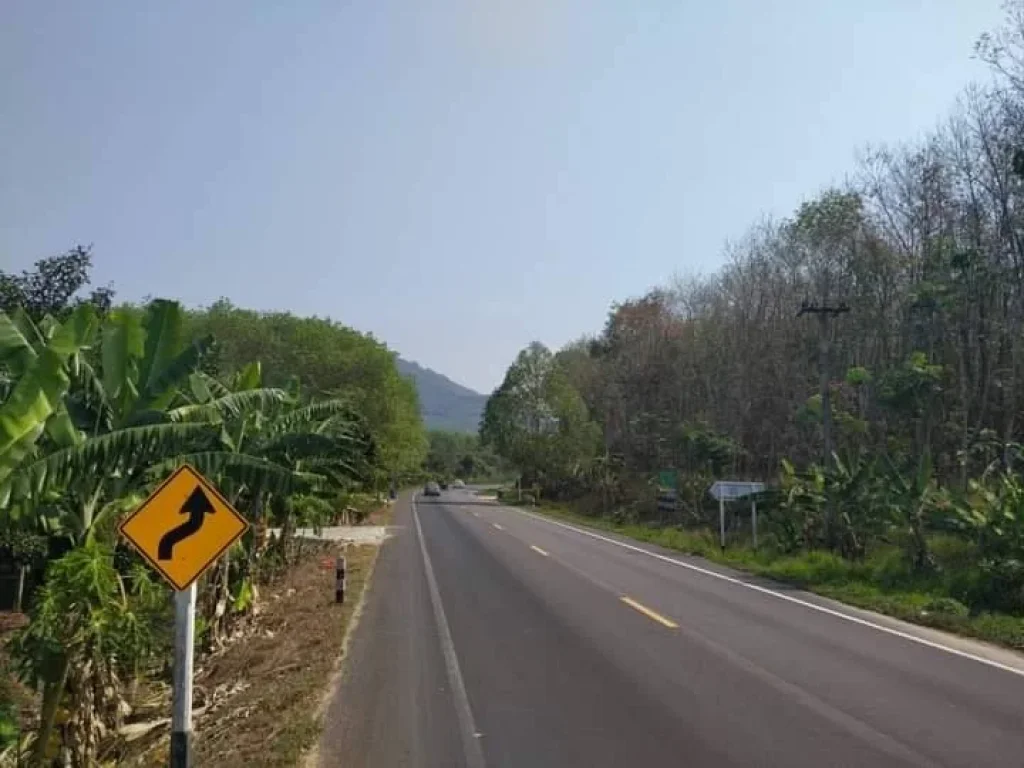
(391, 703)
(996, 655)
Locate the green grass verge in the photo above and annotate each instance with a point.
(10, 729)
(881, 583)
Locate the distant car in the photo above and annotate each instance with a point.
(431, 489)
(444, 486)
(458, 484)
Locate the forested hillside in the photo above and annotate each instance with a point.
(444, 404)
(919, 364)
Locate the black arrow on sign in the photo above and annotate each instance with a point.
(198, 507)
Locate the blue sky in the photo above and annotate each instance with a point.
(458, 177)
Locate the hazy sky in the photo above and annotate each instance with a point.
(458, 177)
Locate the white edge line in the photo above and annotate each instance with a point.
(470, 743)
(787, 598)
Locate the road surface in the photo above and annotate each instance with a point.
(494, 637)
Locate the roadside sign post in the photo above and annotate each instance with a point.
(727, 490)
(721, 522)
(184, 642)
(339, 579)
(181, 530)
(667, 495)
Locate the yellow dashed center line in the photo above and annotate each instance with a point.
(538, 550)
(649, 613)
(498, 526)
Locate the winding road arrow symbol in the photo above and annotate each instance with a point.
(197, 506)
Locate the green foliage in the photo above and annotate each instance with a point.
(313, 511)
(993, 515)
(88, 629)
(705, 450)
(50, 288)
(328, 359)
(909, 388)
(22, 548)
(459, 455)
(38, 390)
(86, 612)
(90, 422)
(540, 423)
(858, 376)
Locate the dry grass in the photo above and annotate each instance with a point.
(17, 703)
(272, 721)
(261, 697)
(381, 515)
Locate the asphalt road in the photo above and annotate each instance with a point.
(493, 637)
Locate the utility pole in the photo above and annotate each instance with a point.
(825, 313)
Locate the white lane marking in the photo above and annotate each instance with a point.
(467, 726)
(787, 598)
(538, 550)
(498, 526)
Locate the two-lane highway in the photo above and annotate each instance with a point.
(495, 637)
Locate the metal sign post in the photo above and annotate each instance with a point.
(339, 579)
(727, 490)
(721, 522)
(667, 495)
(184, 644)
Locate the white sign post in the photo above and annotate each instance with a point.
(727, 490)
(184, 642)
(181, 530)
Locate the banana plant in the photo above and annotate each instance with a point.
(270, 448)
(104, 433)
(268, 441)
(853, 491)
(39, 381)
(82, 437)
(915, 501)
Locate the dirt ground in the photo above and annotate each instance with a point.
(380, 516)
(11, 691)
(279, 677)
(258, 702)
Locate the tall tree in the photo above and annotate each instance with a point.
(53, 286)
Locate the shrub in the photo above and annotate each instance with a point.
(947, 606)
(891, 569)
(814, 568)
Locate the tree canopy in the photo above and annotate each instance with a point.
(864, 356)
(327, 359)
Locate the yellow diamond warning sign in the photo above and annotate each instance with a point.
(183, 527)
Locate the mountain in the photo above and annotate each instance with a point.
(445, 404)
